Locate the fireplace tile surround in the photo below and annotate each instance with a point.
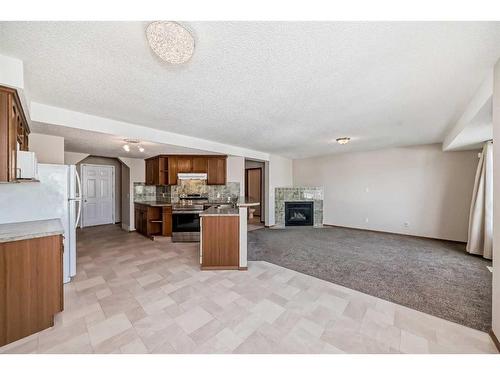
(298, 194)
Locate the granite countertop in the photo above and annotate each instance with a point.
(30, 229)
(155, 203)
(214, 211)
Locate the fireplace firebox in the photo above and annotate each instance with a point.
(299, 213)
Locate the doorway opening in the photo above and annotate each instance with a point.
(254, 191)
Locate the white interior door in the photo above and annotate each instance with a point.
(98, 194)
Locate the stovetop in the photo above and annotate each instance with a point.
(190, 202)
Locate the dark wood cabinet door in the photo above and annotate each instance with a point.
(184, 164)
(153, 171)
(167, 221)
(200, 164)
(149, 172)
(172, 170)
(163, 170)
(216, 171)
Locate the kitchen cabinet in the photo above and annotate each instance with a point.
(172, 170)
(220, 246)
(184, 164)
(14, 132)
(31, 286)
(157, 171)
(163, 169)
(153, 221)
(216, 171)
(200, 164)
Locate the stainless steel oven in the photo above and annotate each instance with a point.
(186, 219)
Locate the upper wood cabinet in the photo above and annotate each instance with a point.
(184, 164)
(172, 170)
(14, 131)
(200, 164)
(163, 169)
(216, 171)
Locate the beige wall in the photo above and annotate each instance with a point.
(49, 149)
(236, 171)
(382, 190)
(98, 160)
(74, 157)
(278, 173)
(496, 203)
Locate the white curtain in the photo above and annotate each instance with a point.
(481, 211)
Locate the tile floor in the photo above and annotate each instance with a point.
(133, 295)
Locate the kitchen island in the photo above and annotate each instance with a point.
(223, 237)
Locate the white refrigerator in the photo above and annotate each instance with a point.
(55, 196)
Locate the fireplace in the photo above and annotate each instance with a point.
(299, 213)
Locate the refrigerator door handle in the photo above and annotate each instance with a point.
(79, 199)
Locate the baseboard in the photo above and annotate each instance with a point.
(127, 228)
(495, 340)
(399, 234)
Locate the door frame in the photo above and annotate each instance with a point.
(82, 223)
(260, 188)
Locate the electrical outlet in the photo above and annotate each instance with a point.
(406, 224)
(366, 220)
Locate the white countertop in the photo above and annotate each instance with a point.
(30, 229)
(243, 202)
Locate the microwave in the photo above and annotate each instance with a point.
(27, 165)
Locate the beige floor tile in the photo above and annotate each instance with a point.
(194, 319)
(134, 295)
(108, 328)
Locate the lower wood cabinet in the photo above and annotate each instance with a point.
(153, 221)
(31, 286)
(220, 242)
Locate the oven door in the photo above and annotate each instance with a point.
(185, 222)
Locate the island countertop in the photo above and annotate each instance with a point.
(225, 211)
(27, 230)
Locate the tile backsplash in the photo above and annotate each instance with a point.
(171, 193)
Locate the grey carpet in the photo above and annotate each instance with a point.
(433, 276)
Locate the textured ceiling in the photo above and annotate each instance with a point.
(289, 88)
(77, 140)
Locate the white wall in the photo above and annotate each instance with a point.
(137, 174)
(278, 174)
(74, 157)
(427, 188)
(49, 149)
(496, 203)
(236, 171)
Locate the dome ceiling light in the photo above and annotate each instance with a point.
(170, 41)
(343, 140)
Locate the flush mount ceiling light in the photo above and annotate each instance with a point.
(126, 146)
(170, 41)
(343, 140)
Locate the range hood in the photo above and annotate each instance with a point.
(192, 176)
